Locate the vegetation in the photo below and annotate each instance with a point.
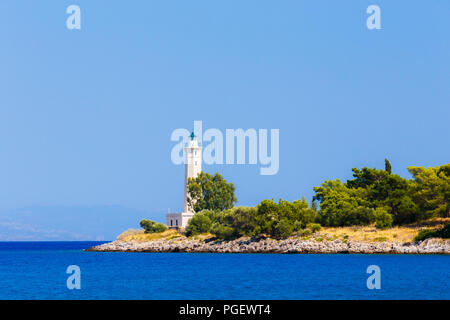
(200, 223)
(396, 200)
(278, 220)
(443, 232)
(128, 233)
(314, 227)
(142, 236)
(207, 192)
(373, 200)
(152, 226)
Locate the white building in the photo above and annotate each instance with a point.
(193, 166)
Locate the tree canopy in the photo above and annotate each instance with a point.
(432, 190)
(406, 200)
(372, 197)
(210, 192)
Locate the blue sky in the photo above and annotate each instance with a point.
(86, 115)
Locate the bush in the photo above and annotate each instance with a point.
(348, 216)
(383, 220)
(200, 223)
(152, 226)
(314, 227)
(444, 233)
(282, 229)
(424, 234)
(305, 233)
(222, 231)
(360, 216)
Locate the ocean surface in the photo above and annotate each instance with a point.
(37, 270)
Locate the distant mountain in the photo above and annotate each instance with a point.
(61, 223)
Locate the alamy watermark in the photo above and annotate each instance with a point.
(374, 280)
(237, 146)
(74, 280)
(74, 20)
(374, 20)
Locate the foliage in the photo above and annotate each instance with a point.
(314, 227)
(383, 219)
(210, 192)
(152, 226)
(432, 190)
(340, 205)
(235, 222)
(444, 233)
(201, 222)
(406, 201)
(424, 234)
(282, 229)
(222, 232)
(371, 197)
(278, 220)
(387, 166)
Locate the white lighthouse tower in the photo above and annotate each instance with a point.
(193, 166)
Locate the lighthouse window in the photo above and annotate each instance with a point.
(176, 222)
(171, 222)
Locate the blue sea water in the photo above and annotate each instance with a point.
(37, 270)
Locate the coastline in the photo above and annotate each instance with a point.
(286, 246)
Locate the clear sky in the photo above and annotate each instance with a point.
(86, 115)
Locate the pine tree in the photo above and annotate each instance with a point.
(387, 166)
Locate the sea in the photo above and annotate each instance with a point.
(46, 270)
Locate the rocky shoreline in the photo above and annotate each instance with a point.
(287, 246)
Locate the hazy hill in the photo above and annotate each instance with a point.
(57, 223)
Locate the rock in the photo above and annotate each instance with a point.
(264, 245)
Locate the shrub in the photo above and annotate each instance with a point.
(347, 215)
(244, 220)
(200, 223)
(282, 229)
(424, 234)
(380, 239)
(305, 232)
(222, 232)
(383, 220)
(444, 232)
(152, 226)
(314, 227)
(360, 216)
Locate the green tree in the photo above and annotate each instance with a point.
(395, 193)
(222, 232)
(387, 166)
(386, 190)
(152, 227)
(245, 220)
(431, 190)
(200, 223)
(210, 192)
(365, 177)
(337, 200)
(443, 232)
(383, 219)
(282, 228)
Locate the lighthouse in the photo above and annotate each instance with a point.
(193, 166)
